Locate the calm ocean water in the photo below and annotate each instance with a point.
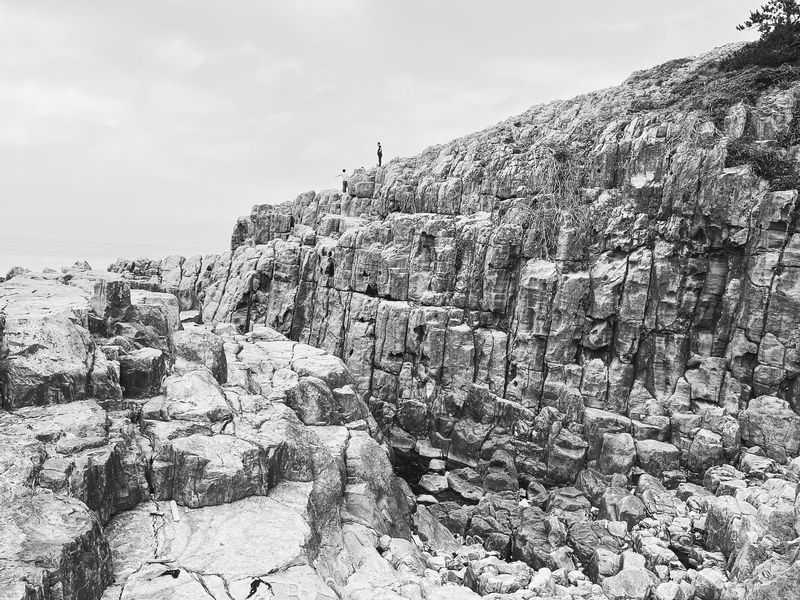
(38, 254)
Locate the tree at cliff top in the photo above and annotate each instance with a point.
(776, 16)
(779, 24)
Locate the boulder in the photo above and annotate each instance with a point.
(617, 504)
(630, 585)
(770, 423)
(314, 402)
(217, 543)
(596, 423)
(566, 458)
(141, 372)
(46, 351)
(433, 483)
(52, 543)
(374, 495)
(433, 533)
(709, 584)
(723, 521)
(617, 453)
(592, 483)
(155, 309)
(539, 541)
(501, 474)
(197, 347)
(193, 396)
(657, 457)
(605, 563)
(493, 576)
(110, 301)
(705, 451)
(202, 470)
(537, 494)
(453, 516)
(466, 482)
(775, 579)
(568, 499)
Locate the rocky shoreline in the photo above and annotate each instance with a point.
(421, 390)
(228, 458)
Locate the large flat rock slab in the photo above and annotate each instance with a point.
(216, 548)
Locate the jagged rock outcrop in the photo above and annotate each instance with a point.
(256, 471)
(624, 262)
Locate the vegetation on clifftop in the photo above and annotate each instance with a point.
(778, 21)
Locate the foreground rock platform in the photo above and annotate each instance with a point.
(268, 476)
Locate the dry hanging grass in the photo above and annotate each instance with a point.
(556, 201)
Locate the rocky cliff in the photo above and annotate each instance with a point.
(625, 261)
(575, 332)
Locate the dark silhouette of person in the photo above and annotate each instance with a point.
(380, 154)
(344, 180)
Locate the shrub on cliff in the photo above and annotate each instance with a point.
(778, 21)
(772, 163)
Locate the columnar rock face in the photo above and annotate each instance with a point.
(625, 262)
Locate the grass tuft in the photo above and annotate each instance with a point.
(558, 202)
(771, 163)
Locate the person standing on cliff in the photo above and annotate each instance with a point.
(344, 180)
(380, 154)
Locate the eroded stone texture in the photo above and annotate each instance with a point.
(272, 473)
(52, 547)
(672, 309)
(620, 360)
(46, 351)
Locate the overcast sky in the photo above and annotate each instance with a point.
(159, 122)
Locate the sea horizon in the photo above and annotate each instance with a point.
(37, 254)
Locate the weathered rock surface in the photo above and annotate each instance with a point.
(224, 484)
(47, 351)
(52, 547)
(197, 347)
(581, 323)
(662, 308)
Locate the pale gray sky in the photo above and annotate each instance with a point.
(156, 123)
